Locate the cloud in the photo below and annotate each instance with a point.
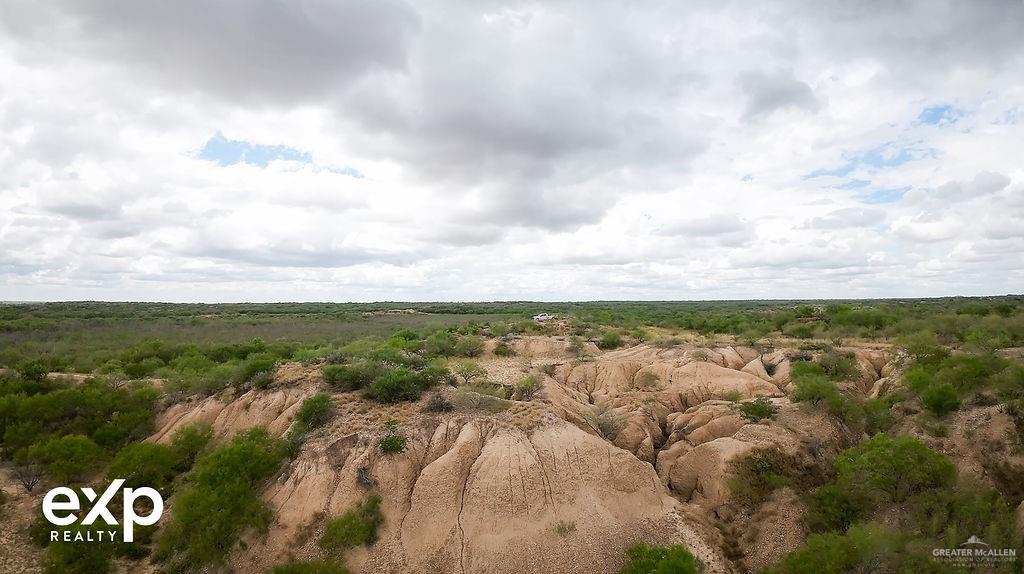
(262, 51)
(382, 149)
(983, 183)
(848, 217)
(767, 93)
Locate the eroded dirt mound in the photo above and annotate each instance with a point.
(628, 446)
(474, 495)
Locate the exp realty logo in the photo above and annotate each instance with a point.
(974, 552)
(62, 505)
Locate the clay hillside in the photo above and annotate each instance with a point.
(547, 454)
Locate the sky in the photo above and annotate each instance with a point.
(368, 150)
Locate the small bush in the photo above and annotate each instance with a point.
(317, 567)
(262, 381)
(647, 379)
(502, 349)
(68, 458)
(348, 377)
(356, 527)
(469, 371)
(222, 499)
(548, 369)
(605, 424)
(893, 467)
(397, 385)
(315, 410)
(839, 366)
(732, 396)
(257, 363)
(610, 340)
(815, 389)
(393, 441)
(438, 403)
(758, 409)
(833, 507)
(490, 398)
(565, 528)
(527, 388)
(145, 464)
(758, 474)
(188, 443)
(33, 371)
(468, 346)
(577, 348)
(644, 559)
(864, 548)
(940, 399)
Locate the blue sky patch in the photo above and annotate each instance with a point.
(885, 156)
(942, 114)
(229, 152)
(885, 195)
(854, 184)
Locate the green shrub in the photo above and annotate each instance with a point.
(188, 442)
(145, 464)
(438, 403)
(758, 409)
(356, 527)
(565, 527)
(433, 374)
(68, 458)
(468, 346)
(644, 559)
(393, 441)
(349, 377)
(864, 548)
(502, 349)
(733, 396)
(111, 417)
(577, 347)
(317, 567)
(610, 340)
(255, 364)
(33, 371)
(800, 369)
(527, 388)
(917, 378)
(835, 507)
(439, 344)
(893, 467)
(222, 499)
(839, 366)
(940, 399)
(756, 475)
(396, 385)
(815, 389)
(878, 416)
(77, 557)
(315, 410)
(923, 347)
(469, 371)
(949, 514)
(799, 331)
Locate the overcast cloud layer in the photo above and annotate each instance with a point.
(360, 150)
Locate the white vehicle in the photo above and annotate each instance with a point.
(543, 317)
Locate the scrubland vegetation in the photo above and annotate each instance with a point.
(137, 358)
